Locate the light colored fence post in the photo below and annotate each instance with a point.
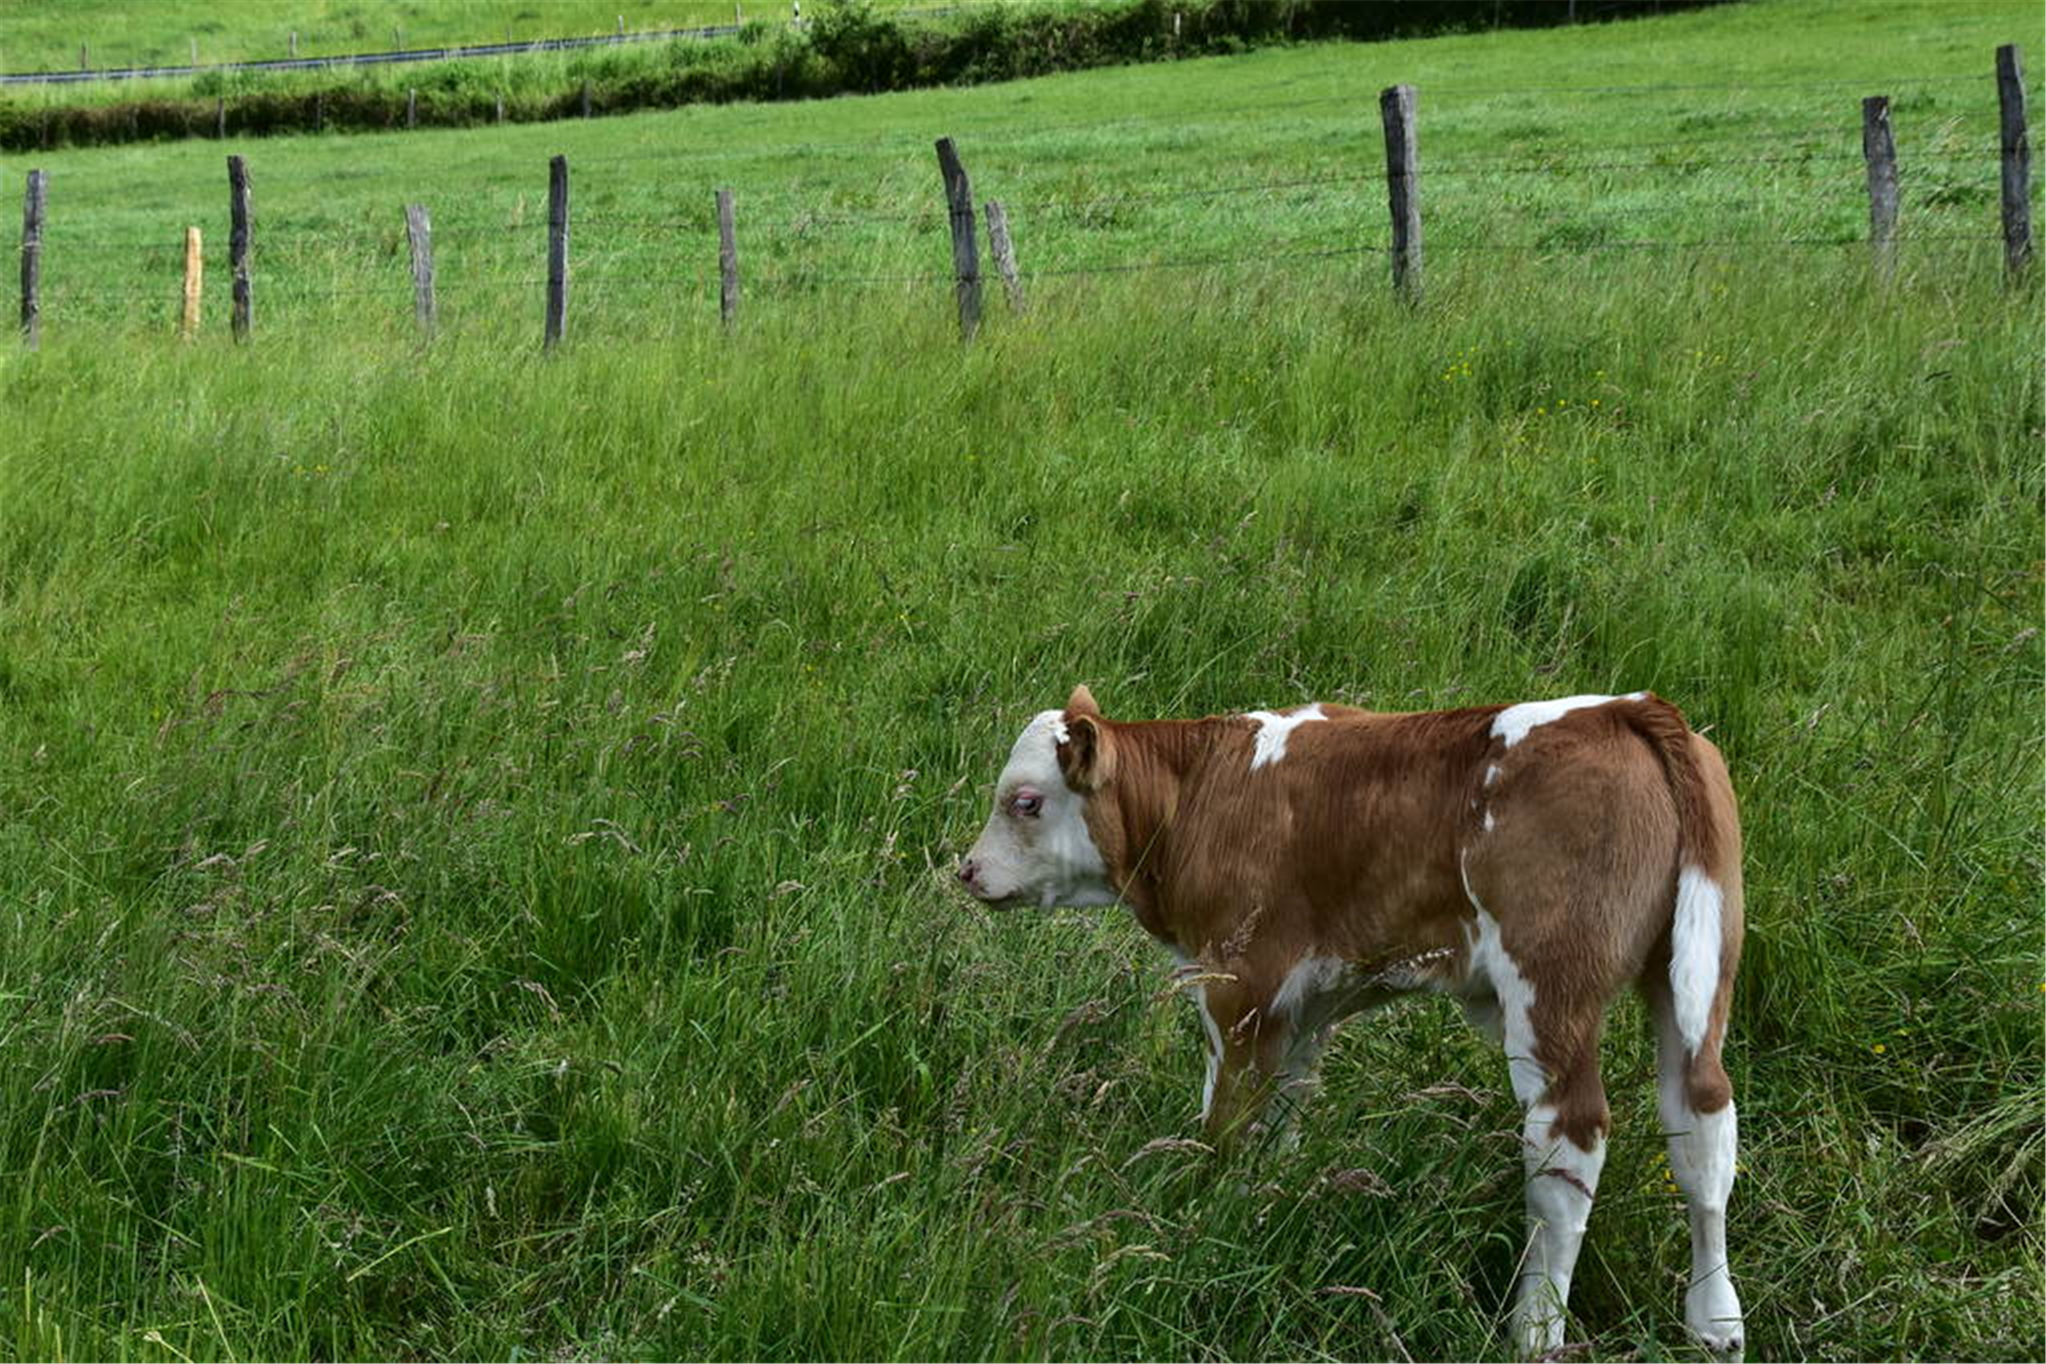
(965, 251)
(419, 235)
(1879, 149)
(238, 246)
(728, 260)
(1403, 185)
(32, 258)
(195, 283)
(557, 250)
(2017, 160)
(1004, 252)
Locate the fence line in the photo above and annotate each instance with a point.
(399, 286)
(807, 224)
(1404, 171)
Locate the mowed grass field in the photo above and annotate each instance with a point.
(45, 37)
(474, 875)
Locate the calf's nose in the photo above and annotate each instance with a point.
(968, 870)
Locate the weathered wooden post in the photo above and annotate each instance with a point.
(239, 232)
(32, 258)
(965, 251)
(419, 235)
(1403, 185)
(294, 44)
(195, 281)
(1004, 252)
(411, 108)
(220, 118)
(557, 250)
(586, 99)
(2017, 161)
(1879, 149)
(728, 260)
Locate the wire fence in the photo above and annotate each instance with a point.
(1796, 193)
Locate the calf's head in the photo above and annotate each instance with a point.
(1036, 849)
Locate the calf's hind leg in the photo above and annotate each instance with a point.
(1563, 1148)
(1696, 1105)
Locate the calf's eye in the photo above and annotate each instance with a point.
(1026, 804)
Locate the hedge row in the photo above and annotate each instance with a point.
(846, 48)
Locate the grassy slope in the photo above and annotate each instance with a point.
(849, 187)
(475, 882)
(38, 37)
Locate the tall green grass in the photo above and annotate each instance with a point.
(474, 880)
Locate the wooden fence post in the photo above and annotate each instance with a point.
(557, 250)
(586, 99)
(220, 118)
(195, 280)
(32, 258)
(419, 234)
(294, 44)
(1879, 149)
(1004, 252)
(965, 251)
(411, 108)
(728, 260)
(2017, 160)
(1403, 184)
(238, 245)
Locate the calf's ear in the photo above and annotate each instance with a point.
(1081, 702)
(1087, 757)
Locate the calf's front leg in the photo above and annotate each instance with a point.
(1253, 1057)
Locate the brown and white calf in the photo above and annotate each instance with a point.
(1529, 861)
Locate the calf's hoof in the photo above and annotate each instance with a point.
(1712, 1311)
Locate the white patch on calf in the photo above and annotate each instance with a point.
(1491, 770)
(1274, 729)
(1214, 1051)
(1048, 858)
(1309, 988)
(1490, 963)
(1513, 724)
(1694, 954)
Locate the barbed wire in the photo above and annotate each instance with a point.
(401, 285)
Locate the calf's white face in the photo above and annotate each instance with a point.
(1036, 848)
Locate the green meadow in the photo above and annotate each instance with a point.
(478, 825)
(118, 33)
